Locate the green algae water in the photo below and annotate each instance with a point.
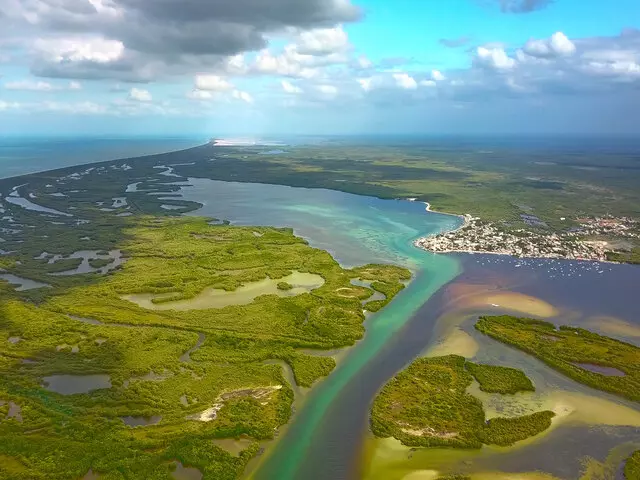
(323, 438)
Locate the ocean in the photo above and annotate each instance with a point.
(23, 155)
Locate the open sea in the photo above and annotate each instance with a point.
(23, 155)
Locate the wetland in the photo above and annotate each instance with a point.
(249, 332)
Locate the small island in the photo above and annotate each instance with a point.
(586, 357)
(427, 405)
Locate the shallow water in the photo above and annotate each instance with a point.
(233, 446)
(85, 266)
(324, 436)
(28, 205)
(21, 284)
(70, 384)
(186, 473)
(243, 295)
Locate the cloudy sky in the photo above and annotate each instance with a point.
(319, 66)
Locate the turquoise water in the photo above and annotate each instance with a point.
(356, 230)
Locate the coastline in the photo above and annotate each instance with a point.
(474, 235)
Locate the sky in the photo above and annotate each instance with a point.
(276, 67)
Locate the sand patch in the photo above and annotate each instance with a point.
(458, 342)
(613, 326)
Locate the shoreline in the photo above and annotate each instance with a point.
(450, 242)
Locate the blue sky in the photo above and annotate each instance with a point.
(213, 67)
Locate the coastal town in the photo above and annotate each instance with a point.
(591, 240)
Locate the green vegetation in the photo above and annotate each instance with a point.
(505, 380)
(569, 350)
(427, 405)
(307, 369)
(632, 256)
(100, 262)
(632, 466)
(454, 477)
(284, 286)
(84, 326)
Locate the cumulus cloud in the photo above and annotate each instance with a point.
(406, 81)
(555, 46)
(140, 95)
(104, 38)
(213, 83)
(493, 58)
(437, 75)
(322, 41)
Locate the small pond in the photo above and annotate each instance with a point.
(70, 384)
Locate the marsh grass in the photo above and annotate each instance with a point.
(632, 467)
(566, 347)
(140, 349)
(504, 380)
(427, 405)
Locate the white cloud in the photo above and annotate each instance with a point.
(140, 95)
(73, 85)
(286, 65)
(213, 83)
(364, 62)
(365, 83)
(240, 95)
(8, 105)
(29, 85)
(196, 94)
(437, 75)
(557, 45)
(322, 41)
(329, 90)
(617, 68)
(428, 83)
(406, 81)
(288, 87)
(69, 50)
(494, 58)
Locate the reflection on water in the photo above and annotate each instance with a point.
(70, 384)
(243, 295)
